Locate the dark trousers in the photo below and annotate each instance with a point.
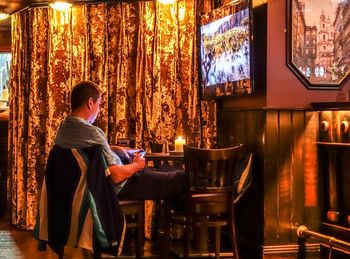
(154, 185)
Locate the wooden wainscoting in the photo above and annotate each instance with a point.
(285, 189)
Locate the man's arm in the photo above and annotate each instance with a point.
(120, 173)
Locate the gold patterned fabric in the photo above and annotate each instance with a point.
(144, 57)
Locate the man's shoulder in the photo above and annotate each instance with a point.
(80, 123)
(76, 120)
(74, 133)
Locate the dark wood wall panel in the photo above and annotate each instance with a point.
(237, 127)
(285, 169)
(271, 178)
(291, 174)
(298, 118)
(284, 204)
(5, 41)
(248, 128)
(312, 203)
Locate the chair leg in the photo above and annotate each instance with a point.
(167, 227)
(61, 253)
(141, 223)
(58, 249)
(137, 244)
(187, 243)
(234, 236)
(155, 225)
(139, 231)
(138, 247)
(217, 242)
(187, 237)
(41, 245)
(97, 255)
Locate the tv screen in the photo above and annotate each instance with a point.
(225, 54)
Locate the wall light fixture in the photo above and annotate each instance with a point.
(3, 15)
(166, 1)
(60, 5)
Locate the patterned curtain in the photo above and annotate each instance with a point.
(144, 57)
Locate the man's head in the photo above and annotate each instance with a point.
(86, 97)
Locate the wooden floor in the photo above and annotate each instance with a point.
(16, 243)
(19, 244)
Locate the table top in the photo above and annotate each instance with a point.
(165, 156)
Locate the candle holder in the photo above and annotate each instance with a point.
(165, 149)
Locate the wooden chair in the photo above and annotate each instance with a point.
(210, 195)
(156, 147)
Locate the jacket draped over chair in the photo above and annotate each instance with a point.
(78, 203)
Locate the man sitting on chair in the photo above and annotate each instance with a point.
(132, 180)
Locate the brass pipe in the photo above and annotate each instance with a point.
(304, 232)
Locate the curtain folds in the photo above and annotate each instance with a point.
(143, 55)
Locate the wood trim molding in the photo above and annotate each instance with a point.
(5, 48)
(290, 249)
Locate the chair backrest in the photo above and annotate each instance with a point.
(156, 147)
(124, 142)
(211, 169)
(245, 177)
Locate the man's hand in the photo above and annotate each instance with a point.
(120, 173)
(139, 160)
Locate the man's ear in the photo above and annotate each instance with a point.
(90, 102)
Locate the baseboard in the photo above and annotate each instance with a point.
(290, 249)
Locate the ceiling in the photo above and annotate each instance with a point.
(13, 6)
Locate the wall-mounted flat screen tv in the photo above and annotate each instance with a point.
(225, 53)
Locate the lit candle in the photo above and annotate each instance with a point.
(179, 144)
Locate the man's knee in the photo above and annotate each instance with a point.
(178, 185)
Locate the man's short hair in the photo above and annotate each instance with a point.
(82, 92)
